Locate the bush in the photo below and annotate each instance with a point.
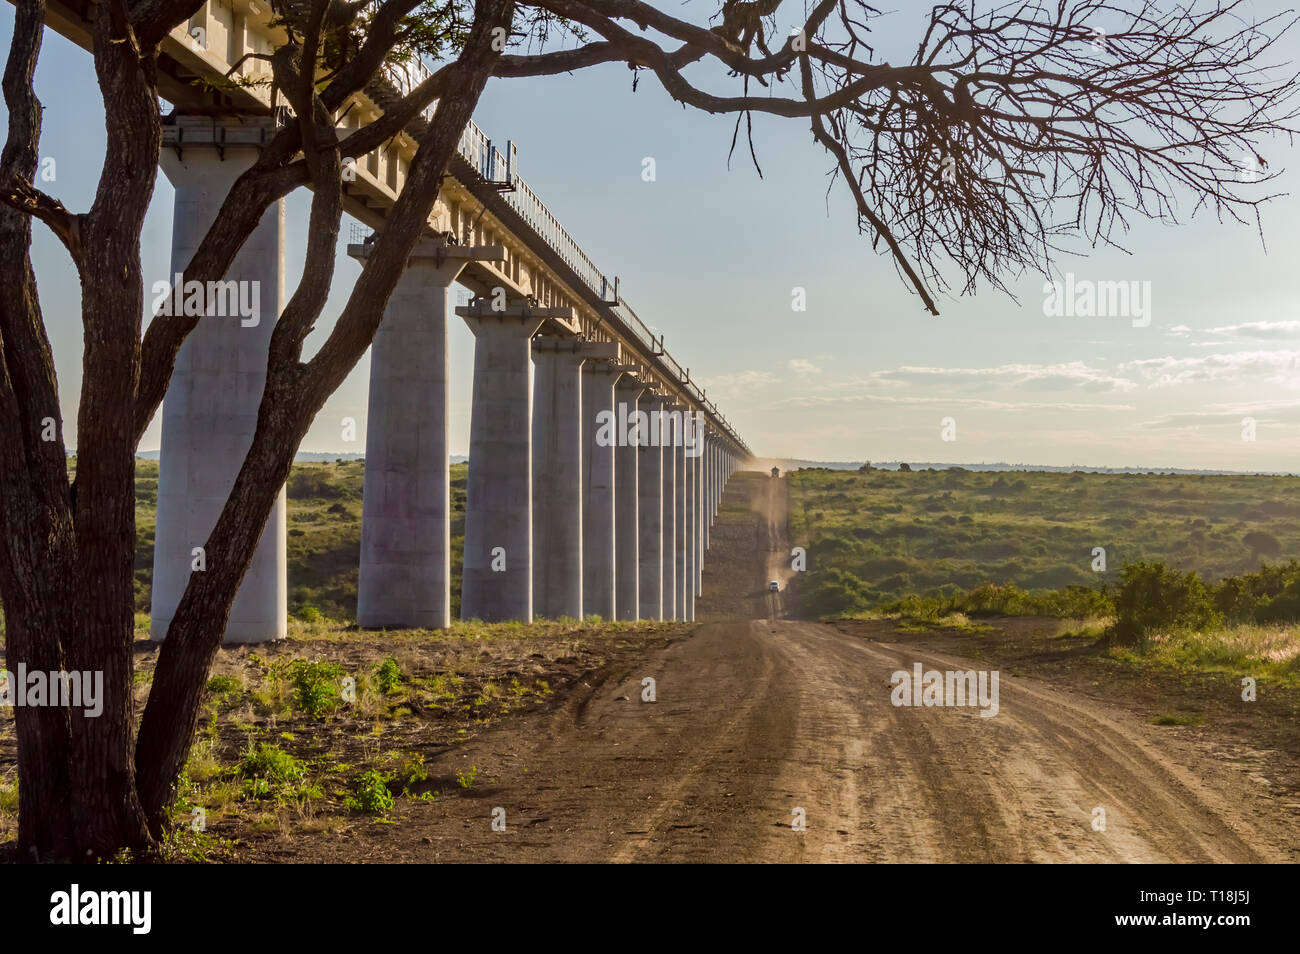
(836, 593)
(370, 793)
(1271, 595)
(1154, 597)
(1262, 543)
(388, 676)
(308, 614)
(271, 772)
(315, 483)
(315, 686)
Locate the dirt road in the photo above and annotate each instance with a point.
(758, 724)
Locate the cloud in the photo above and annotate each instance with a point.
(1261, 329)
(1265, 412)
(1073, 375)
(801, 366)
(828, 400)
(1280, 368)
(725, 387)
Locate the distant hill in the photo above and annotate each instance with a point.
(797, 463)
(309, 457)
(793, 463)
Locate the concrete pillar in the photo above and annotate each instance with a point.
(652, 484)
(690, 585)
(598, 566)
(627, 505)
(681, 512)
(496, 579)
(708, 488)
(671, 574)
(557, 477)
(210, 410)
(405, 574)
(701, 521)
(717, 476)
(706, 493)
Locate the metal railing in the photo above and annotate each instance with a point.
(478, 150)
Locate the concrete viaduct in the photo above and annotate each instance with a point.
(595, 463)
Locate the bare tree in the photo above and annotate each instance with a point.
(1008, 134)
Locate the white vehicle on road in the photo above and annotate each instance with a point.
(774, 586)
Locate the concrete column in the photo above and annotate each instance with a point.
(708, 488)
(496, 580)
(627, 505)
(210, 410)
(651, 486)
(557, 478)
(404, 579)
(681, 532)
(701, 520)
(717, 477)
(706, 498)
(690, 586)
(671, 574)
(598, 566)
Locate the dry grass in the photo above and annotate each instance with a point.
(1265, 651)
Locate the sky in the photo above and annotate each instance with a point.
(710, 255)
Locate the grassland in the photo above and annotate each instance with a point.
(324, 545)
(328, 730)
(874, 537)
(1182, 589)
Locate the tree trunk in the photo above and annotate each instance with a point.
(294, 394)
(107, 814)
(38, 572)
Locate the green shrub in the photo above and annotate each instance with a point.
(272, 763)
(1262, 543)
(308, 614)
(1270, 595)
(315, 686)
(271, 772)
(388, 676)
(836, 593)
(313, 482)
(370, 793)
(1154, 597)
(223, 685)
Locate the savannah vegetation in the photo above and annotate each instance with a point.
(324, 540)
(1012, 103)
(1200, 570)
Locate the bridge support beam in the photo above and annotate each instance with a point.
(717, 477)
(598, 530)
(706, 499)
(681, 571)
(404, 578)
(496, 579)
(701, 519)
(689, 585)
(663, 434)
(653, 484)
(209, 414)
(557, 478)
(627, 502)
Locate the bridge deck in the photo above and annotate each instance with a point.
(483, 200)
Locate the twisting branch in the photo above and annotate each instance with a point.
(1011, 131)
(26, 198)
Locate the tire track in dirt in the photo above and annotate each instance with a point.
(756, 718)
